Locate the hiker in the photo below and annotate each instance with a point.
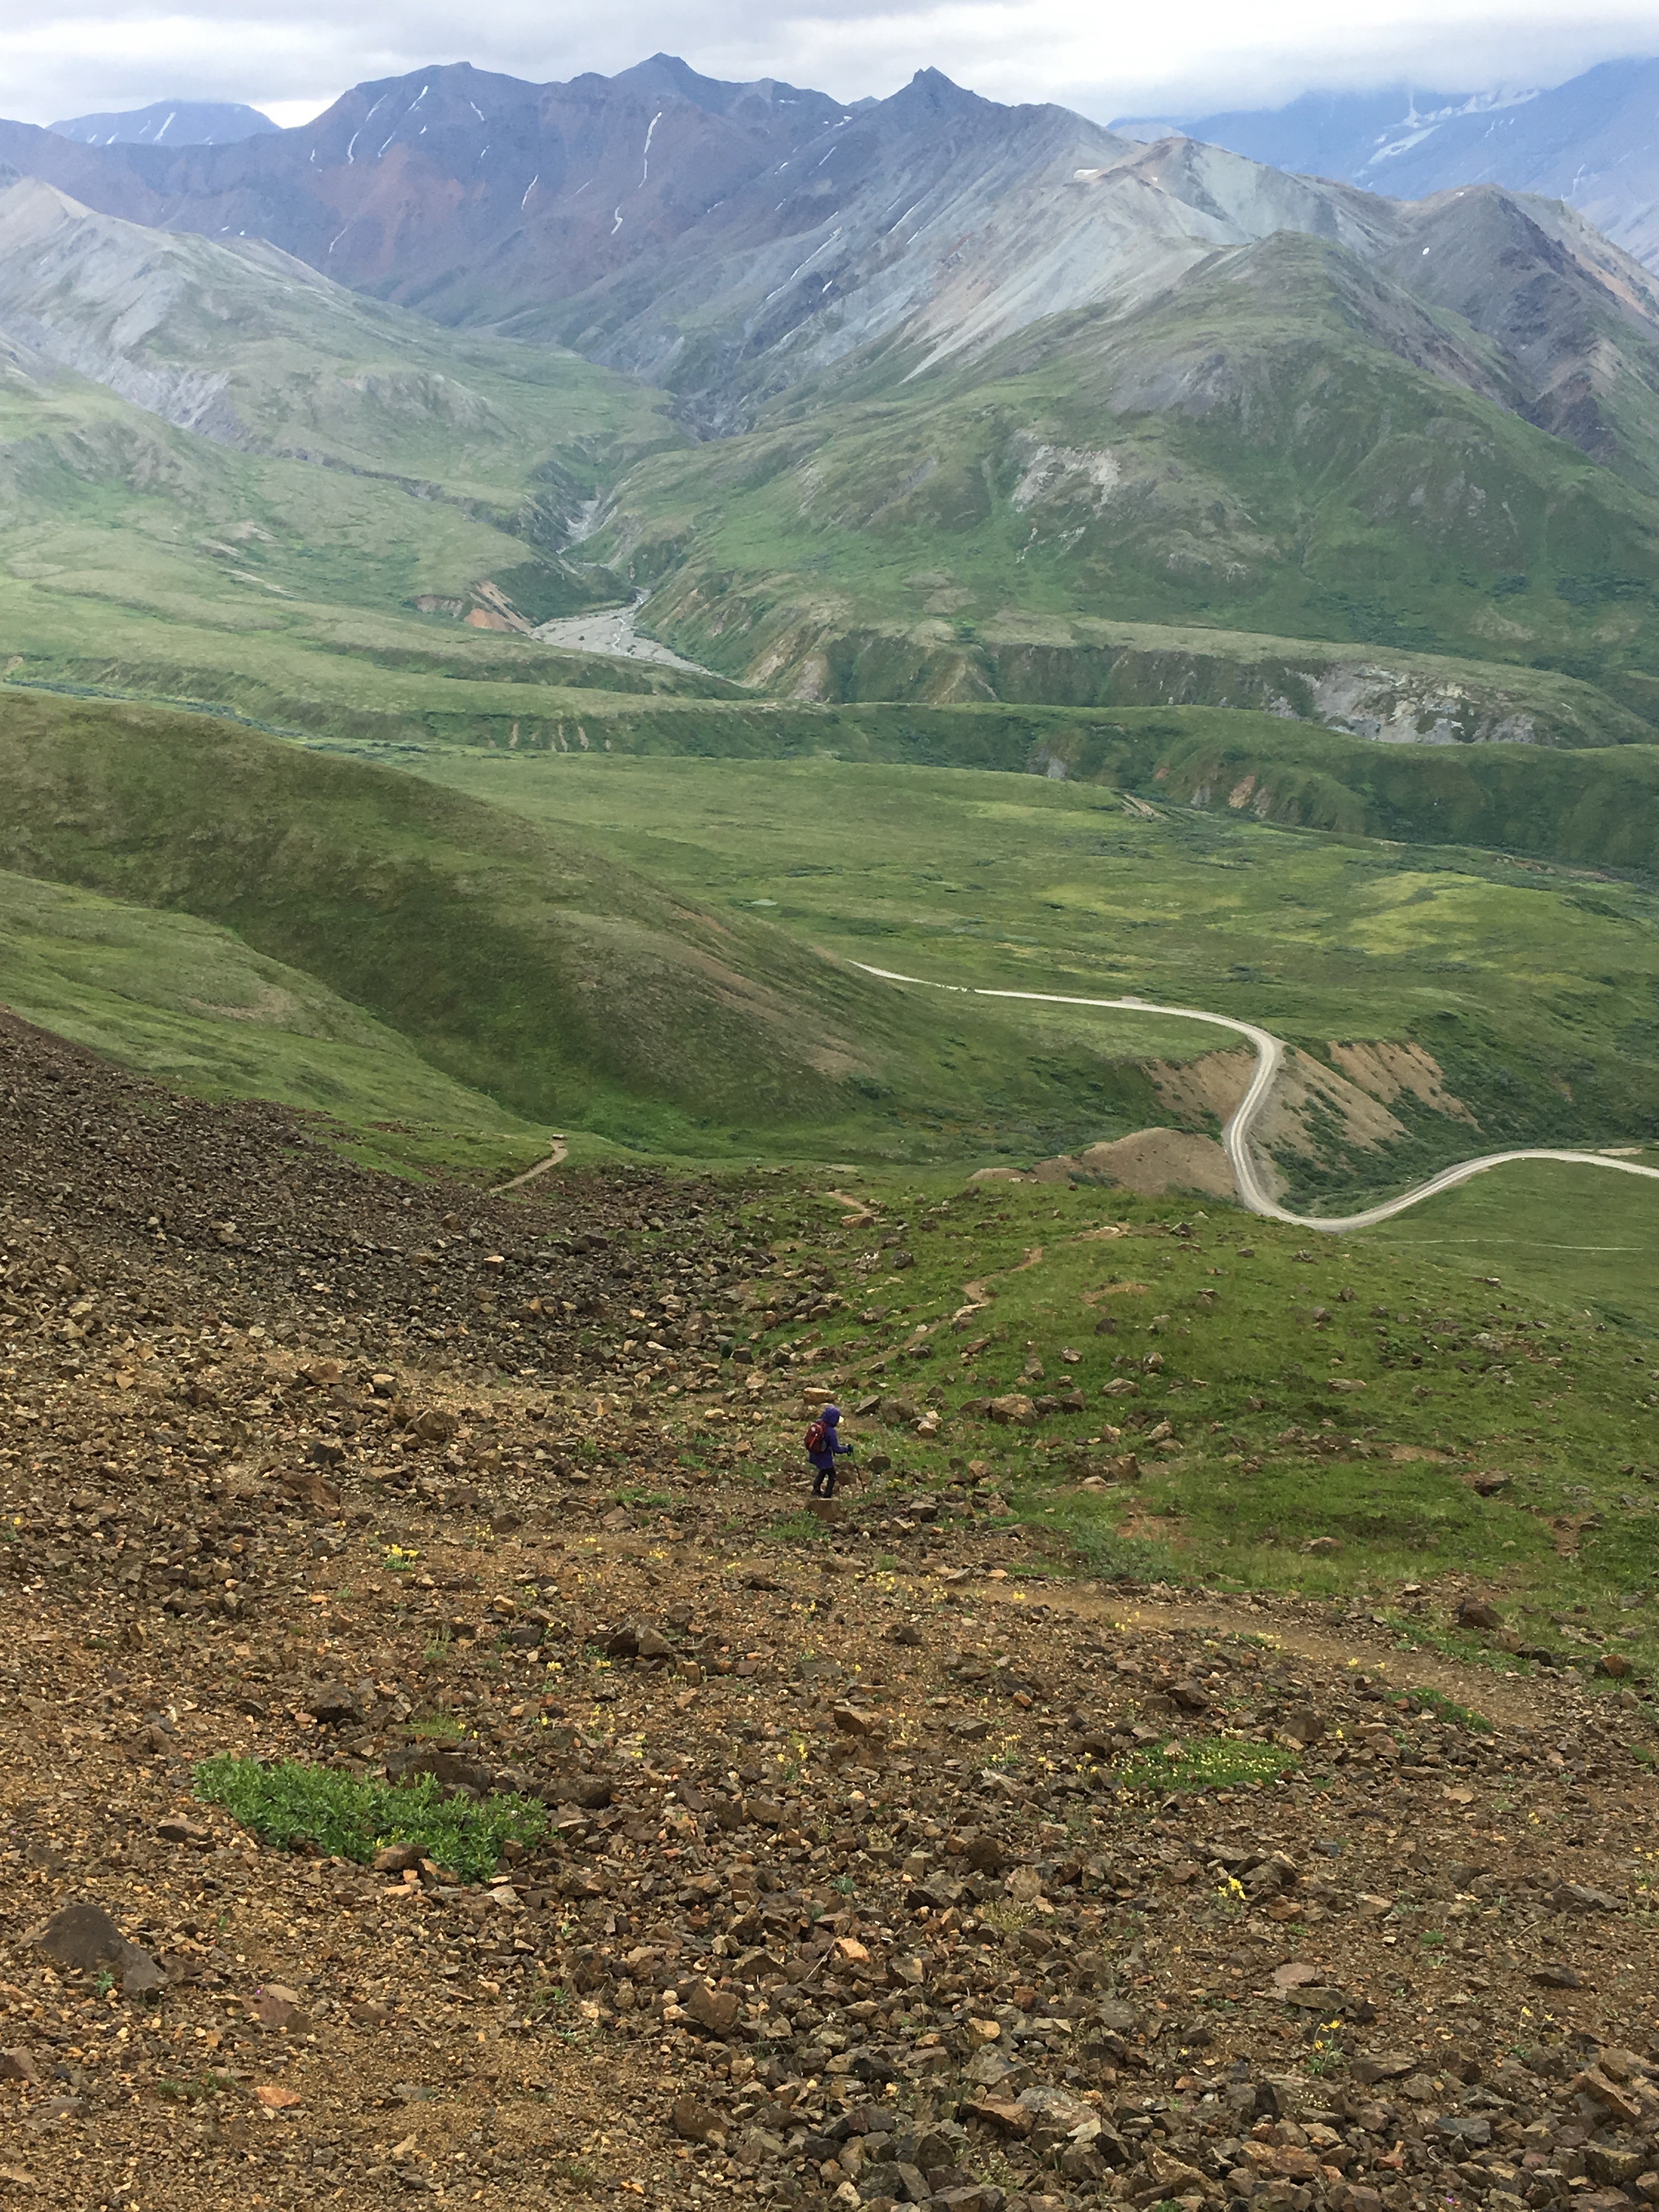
(823, 1444)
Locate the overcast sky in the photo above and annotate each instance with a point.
(68, 58)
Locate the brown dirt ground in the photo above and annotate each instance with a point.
(877, 1868)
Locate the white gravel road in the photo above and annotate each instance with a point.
(1236, 1137)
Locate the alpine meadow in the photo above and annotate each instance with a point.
(830, 1087)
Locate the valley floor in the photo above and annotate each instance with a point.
(611, 630)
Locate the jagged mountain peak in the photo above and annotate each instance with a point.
(668, 76)
(931, 92)
(734, 241)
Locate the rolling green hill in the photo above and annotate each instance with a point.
(655, 949)
(1487, 1420)
(192, 1005)
(673, 994)
(515, 959)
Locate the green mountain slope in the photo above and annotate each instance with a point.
(578, 940)
(1286, 443)
(205, 437)
(245, 346)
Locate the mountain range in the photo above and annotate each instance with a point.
(729, 242)
(1590, 142)
(924, 398)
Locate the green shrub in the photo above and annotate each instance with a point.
(291, 1803)
(802, 1528)
(1445, 1708)
(1212, 1762)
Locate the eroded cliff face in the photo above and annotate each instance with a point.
(1316, 1109)
(1355, 1091)
(813, 647)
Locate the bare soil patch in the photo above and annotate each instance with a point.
(884, 1867)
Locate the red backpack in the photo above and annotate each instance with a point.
(818, 1436)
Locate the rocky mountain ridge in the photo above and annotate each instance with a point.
(1589, 142)
(731, 242)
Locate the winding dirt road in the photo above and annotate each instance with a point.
(1236, 1137)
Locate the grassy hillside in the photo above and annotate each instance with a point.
(517, 960)
(1255, 450)
(195, 1007)
(636, 947)
(1587, 807)
(1395, 1410)
(1534, 988)
(1587, 1242)
(675, 995)
(1592, 809)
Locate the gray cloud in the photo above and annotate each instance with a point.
(75, 57)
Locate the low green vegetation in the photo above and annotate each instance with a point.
(1585, 1240)
(290, 1805)
(1208, 1763)
(192, 1006)
(1258, 1407)
(1533, 989)
(518, 960)
(211, 2083)
(803, 1528)
(454, 972)
(1446, 1709)
(545, 945)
